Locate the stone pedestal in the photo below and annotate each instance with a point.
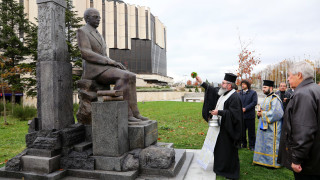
(141, 136)
(109, 163)
(110, 128)
(40, 164)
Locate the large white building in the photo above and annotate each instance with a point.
(134, 36)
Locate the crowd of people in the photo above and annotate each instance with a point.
(288, 132)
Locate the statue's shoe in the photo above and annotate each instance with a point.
(133, 121)
(141, 117)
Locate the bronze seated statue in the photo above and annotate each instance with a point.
(99, 71)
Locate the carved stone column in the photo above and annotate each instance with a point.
(54, 71)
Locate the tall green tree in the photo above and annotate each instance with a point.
(73, 22)
(13, 26)
(31, 41)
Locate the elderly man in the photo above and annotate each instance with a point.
(283, 94)
(249, 100)
(226, 122)
(300, 137)
(97, 66)
(269, 128)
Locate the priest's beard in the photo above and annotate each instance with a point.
(222, 91)
(267, 92)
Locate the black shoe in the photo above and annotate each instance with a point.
(252, 149)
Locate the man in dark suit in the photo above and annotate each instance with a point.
(249, 100)
(99, 67)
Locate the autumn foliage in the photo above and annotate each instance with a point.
(247, 60)
(189, 83)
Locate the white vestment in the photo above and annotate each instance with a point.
(206, 154)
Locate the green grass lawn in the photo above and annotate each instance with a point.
(178, 122)
(12, 138)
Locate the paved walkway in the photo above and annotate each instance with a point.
(195, 172)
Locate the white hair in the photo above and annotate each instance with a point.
(304, 68)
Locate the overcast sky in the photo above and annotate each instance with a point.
(203, 35)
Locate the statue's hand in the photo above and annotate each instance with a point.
(121, 66)
(112, 62)
(117, 64)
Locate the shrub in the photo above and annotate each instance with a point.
(24, 113)
(190, 90)
(8, 108)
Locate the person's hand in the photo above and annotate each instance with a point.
(244, 109)
(214, 112)
(199, 80)
(284, 99)
(296, 167)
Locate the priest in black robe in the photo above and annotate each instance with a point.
(226, 159)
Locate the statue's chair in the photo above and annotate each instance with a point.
(87, 90)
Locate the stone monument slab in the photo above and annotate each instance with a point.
(56, 84)
(54, 78)
(110, 128)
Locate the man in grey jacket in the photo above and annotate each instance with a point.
(300, 137)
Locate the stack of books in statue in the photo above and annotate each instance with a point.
(110, 95)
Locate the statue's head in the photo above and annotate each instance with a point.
(92, 17)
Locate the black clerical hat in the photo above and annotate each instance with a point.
(230, 77)
(268, 83)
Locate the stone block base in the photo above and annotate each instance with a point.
(43, 152)
(163, 144)
(82, 146)
(180, 176)
(109, 163)
(40, 164)
(170, 172)
(88, 129)
(141, 136)
(98, 174)
(32, 176)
